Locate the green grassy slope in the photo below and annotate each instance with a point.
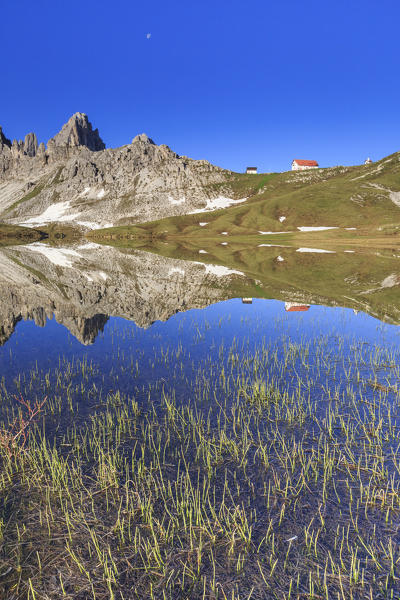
(357, 197)
(366, 279)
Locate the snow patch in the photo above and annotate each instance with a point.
(280, 258)
(53, 213)
(203, 252)
(89, 246)
(315, 228)
(350, 228)
(101, 194)
(203, 224)
(273, 232)
(221, 271)
(224, 243)
(315, 250)
(217, 203)
(390, 281)
(395, 198)
(178, 201)
(224, 233)
(176, 270)
(282, 219)
(350, 251)
(58, 256)
(91, 225)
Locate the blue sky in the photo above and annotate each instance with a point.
(238, 83)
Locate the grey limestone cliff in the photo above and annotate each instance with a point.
(30, 144)
(77, 132)
(76, 180)
(3, 140)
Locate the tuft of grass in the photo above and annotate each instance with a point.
(276, 473)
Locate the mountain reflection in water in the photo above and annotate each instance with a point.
(82, 286)
(258, 410)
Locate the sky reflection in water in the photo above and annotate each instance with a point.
(129, 358)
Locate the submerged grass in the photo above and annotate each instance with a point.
(274, 475)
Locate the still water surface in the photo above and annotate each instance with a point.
(254, 445)
(132, 359)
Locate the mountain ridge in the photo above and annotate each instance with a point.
(77, 131)
(77, 180)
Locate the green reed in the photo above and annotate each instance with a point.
(277, 477)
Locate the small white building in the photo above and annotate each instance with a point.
(368, 161)
(251, 170)
(300, 164)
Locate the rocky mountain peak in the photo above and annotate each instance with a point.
(142, 137)
(77, 132)
(140, 181)
(3, 140)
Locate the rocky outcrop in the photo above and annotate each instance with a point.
(25, 148)
(76, 180)
(5, 153)
(30, 145)
(77, 132)
(3, 140)
(142, 137)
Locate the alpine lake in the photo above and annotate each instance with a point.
(182, 424)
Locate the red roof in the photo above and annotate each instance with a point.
(306, 163)
(297, 308)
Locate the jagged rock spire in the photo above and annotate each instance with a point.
(30, 144)
(28, 147)
(3, 140)
(76, 132)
